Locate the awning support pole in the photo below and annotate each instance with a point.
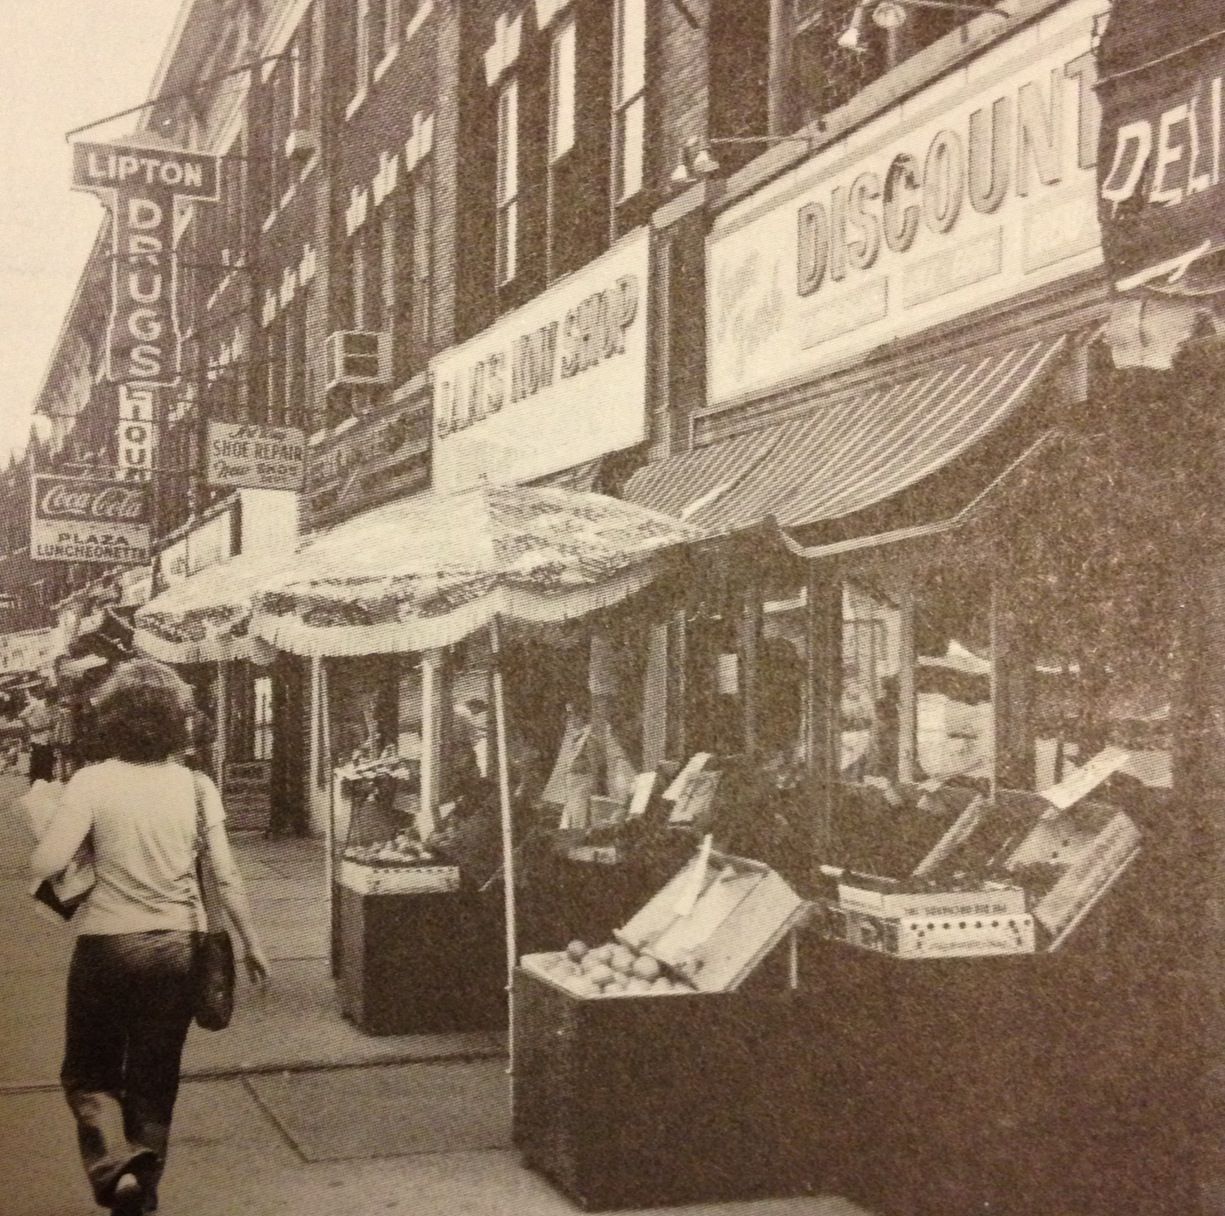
(508, 842)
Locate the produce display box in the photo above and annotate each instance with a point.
(396, 880)
(633, 1093)
(645, 1101)
(1008, 1085)
(424, 963)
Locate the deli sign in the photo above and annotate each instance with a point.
(142, 188)
(1162, 158)
(76, 520)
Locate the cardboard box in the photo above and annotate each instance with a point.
(929, 937)
(1069, 860)
(989, 900)
(715, 920)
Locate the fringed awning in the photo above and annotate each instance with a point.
(207, 618)
(428, 571)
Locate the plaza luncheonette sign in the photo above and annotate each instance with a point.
(981, 187)
(77, 520)
(142, 188)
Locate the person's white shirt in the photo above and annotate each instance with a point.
(143, 823)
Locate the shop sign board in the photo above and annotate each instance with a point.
(142, 187)
(556, 382)
(136, 432)
(979, 187)
(78, 520)
(205, 545)
(1161, 158)
(247, 456)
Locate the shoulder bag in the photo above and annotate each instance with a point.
(214, 951)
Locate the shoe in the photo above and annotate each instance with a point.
(128, 1198)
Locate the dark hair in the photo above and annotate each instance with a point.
(144, 724)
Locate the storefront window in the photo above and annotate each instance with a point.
(261, 735)
(954, 721)
(917, 681)
(1100, 676)
(871, 666)
(781, 711)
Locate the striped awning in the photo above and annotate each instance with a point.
(853, 452)
(694, 483)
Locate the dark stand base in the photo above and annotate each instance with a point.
(640, 1101)
(421, 964)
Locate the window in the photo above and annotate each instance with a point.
(358, 266)
(561, 92)
(261, 719)
(508, 181)
(275, 353)
(295, 361)
(363, 32)
(629, 97)
(423, 259)
(391, 26)
(387, 262)
(300, 75)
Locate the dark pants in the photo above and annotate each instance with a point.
(42, 762)
(129, 1007)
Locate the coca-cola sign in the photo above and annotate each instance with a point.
(74, 520)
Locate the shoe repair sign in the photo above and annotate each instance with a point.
(77, 520)
(256, 457)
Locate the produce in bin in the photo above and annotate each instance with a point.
(611, 969)
(704, 931)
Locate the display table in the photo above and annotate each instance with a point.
(640, 1101)
(422, 963)
(1011, 1085)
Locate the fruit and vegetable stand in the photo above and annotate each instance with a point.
(651, 1069)
(412, 952)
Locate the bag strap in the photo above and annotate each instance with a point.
(210, 895)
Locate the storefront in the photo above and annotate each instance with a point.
(255, 700)
(978, 616)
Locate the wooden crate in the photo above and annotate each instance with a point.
(652, 1100)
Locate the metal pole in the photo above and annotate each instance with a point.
(508, 843)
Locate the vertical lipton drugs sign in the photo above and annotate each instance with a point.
(141, 187)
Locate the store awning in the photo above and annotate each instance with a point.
(206, 618)
(693, 482)
(428, 571)
(856, 451)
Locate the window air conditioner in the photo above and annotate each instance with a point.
(358, 357)
(301, 143)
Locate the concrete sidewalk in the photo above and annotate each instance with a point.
(290, 1110)
(296, 1023)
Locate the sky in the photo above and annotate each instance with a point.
(63, 63)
